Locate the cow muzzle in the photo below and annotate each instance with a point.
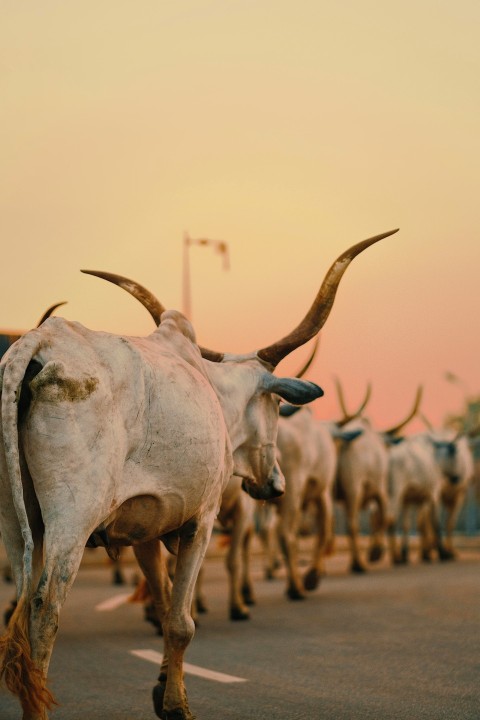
(272, 488)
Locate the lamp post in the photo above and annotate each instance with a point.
(219, 246)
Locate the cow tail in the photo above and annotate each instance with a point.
(14, 371)
(22, 677)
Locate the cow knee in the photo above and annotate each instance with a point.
(180, 630)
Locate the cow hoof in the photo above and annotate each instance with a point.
(239, 614)
(177, 714)
(158, 694)
(201, 607)
(247, 595)
(269, 574)
(358, 568)
(376, 553)
(180, 713)
(426, 556)
(399, 560)
(311, 580)
(118, 578)
(444, 554)
(293, 593)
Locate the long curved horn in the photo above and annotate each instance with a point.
(396, 428)
(144, 296)
(308, 328)
(49, 311)
(304, 369)
(341, 397)
(341, 400)
(320, 310)
(149, 302)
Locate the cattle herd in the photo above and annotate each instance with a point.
(113, 441)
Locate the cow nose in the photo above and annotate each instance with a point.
(277, 484)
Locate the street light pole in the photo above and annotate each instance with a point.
(219, 246)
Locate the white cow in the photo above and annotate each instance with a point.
(362, 481)
(114, 440)
(308, 460)
(106, 443)
(455, 462)
(239, 514)
(236, 510)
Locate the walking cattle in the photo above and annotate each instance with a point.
(115, 440)
(234, 507)
(308, 460)
(362, 473)
(453, 472)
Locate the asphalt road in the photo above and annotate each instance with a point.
(396, 644)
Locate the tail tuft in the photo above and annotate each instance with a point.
(17, 668)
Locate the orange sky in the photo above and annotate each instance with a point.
(288, 130)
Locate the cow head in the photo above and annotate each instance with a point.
(248, 390)
(254, 437)
(448, 457)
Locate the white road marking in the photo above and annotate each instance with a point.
(113, 602)
(156, 657)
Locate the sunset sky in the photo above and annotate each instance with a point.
(289, 130)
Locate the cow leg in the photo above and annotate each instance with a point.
(238, 609)
(26, 645)
(154, 566)
(267, 518)
(117, 574)
(199, 603)
(169, 696)
(378, 524)
(323, 540)
(434, 517)
(404, 523)
(427, 543)
(395, 554)
(247, 585)
(60, 569)
(453, 510)
(287, 534)
(352, 512)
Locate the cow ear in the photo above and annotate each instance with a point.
(288, 410)
(392, 439)
(346, 435)
(294, 391)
